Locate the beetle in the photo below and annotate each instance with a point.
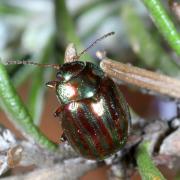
(94, 115)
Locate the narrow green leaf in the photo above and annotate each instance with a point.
(17, 112)
(37, 91)
(11, 10)
(164, 23)
(18, 78)
(113, 11)
(147, 169)
(65, 25)
(147, 48)
(89, 7)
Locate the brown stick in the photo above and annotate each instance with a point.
(142, 78)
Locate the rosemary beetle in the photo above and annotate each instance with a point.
(93, 112)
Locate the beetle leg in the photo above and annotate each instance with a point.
(58, 111)
(52, 84)
(63, 138)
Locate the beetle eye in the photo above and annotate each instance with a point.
(59, 76)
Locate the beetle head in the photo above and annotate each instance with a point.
(77, 81)
(69, 70)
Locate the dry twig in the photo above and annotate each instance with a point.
(140, 77)
(175, 6)
(73, 170)
(14, 152)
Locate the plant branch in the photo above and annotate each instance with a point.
(142, 78)
(164, 23)
(175, 7)
(71, 170)
(15, 152)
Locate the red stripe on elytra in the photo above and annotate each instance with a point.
(103, 128)
(113, 104)
(80, 135)
(113, 109)
(122, 113)
(92, 132)
(124, 120)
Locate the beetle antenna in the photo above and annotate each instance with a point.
(97, 40)
(55, 66)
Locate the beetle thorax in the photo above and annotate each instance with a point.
(77, 81)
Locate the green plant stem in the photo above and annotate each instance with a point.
(147, 169)
(89, 7)
(18, 79)
(6, 9)
(65, 28)
(37, 91)
(17, 112)
(147, 48)
(113, 11)
(164, 23)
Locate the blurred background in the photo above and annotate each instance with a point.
(40, 30)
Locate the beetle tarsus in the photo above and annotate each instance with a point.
(63, 138)
(58, 111)
(51, 84)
